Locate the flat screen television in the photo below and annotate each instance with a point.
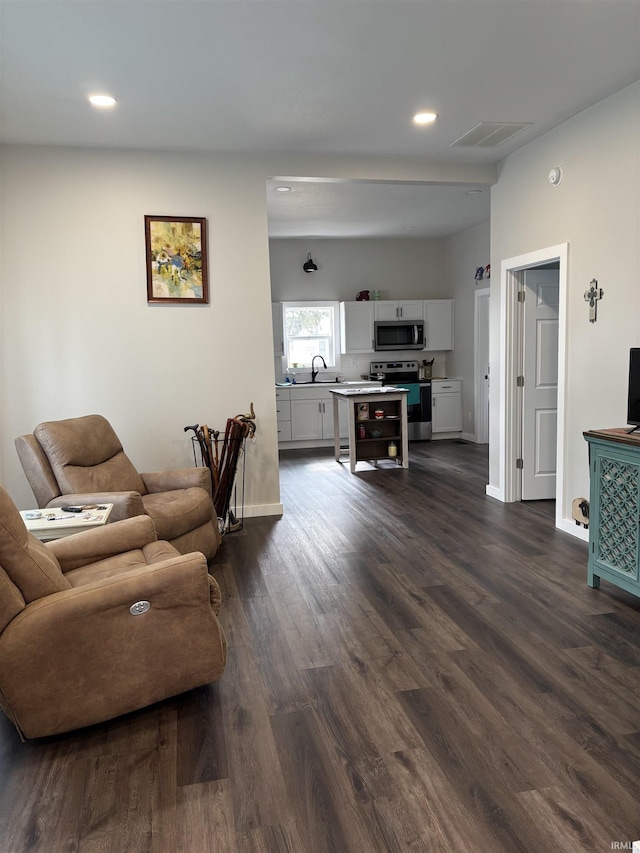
(633, 397)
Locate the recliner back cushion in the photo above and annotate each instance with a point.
(26, 561)
(86, 455)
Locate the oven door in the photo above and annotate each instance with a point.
(418, 411)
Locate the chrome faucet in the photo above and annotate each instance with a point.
(314, 372)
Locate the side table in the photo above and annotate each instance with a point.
(53, 523)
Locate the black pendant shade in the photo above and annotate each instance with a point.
(308, 265)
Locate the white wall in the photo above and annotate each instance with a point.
(77, 335)
(466, 251)
(399, 268)
(596, 210)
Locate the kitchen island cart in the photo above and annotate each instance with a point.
(377, 425)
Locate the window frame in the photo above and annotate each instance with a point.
(315, 303)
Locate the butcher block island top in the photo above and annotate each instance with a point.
(377, 425)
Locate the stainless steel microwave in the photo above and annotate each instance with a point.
(398, 334)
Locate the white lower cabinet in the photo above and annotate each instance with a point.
(283, 413)
(446, 405)
(306, 414)
(307, 421)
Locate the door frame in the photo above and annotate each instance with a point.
(481, 436)
(511, 276)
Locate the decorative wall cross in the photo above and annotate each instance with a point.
(591, 296)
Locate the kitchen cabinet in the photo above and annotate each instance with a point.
(278, 329)
(311, 419)
(305, 413)
(356, 327)
(283, 413)
(311, 413)
(446, 405)
(438, 324)
(614, 508)
(398, 310)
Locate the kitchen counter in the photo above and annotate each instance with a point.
(325, 383)
(376, 389)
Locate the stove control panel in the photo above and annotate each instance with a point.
(393, 366)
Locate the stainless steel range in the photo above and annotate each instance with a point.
(405, 375)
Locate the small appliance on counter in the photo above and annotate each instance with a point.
(406, 374)
(425, 370)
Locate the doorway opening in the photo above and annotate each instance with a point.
(481, 365)
(512, 281)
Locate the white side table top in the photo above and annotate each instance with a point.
(53, 523)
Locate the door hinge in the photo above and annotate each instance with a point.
(520, 381)
(520, 463)
(521, 294)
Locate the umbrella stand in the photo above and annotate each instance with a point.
(223, 464)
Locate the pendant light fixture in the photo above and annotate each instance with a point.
(308, 265)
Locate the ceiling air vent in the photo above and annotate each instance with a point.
(488, 134)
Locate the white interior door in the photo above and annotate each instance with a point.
(540, 391)
(482, 365)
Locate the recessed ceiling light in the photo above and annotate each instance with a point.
(102, 100)
(473, 192)
(282, 189)
(424, 118)
(408, 227)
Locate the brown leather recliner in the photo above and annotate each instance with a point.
(78, 644)
(81, 461)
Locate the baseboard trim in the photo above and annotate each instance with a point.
(577, 530)
(259, 510)
(494, 492)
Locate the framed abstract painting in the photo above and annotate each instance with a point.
(177, 262)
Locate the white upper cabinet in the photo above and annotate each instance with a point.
(356, 327)
(438, 324)
(386, 309)
(357, 319)
(278, 331)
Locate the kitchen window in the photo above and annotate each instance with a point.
(310, 328)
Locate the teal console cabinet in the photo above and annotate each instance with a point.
(614, 512)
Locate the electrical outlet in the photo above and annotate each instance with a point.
(354, 362)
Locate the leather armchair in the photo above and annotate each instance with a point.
(72, 652)
(81, 461)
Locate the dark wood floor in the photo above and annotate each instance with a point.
(413, 666)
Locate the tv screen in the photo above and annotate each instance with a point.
(633, 400)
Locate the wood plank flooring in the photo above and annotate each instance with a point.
(413, 666)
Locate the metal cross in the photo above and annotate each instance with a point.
(591, 296)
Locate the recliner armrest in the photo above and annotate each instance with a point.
(177, 478)
(80, 549)
(125, 504)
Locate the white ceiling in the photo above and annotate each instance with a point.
(314, 77)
